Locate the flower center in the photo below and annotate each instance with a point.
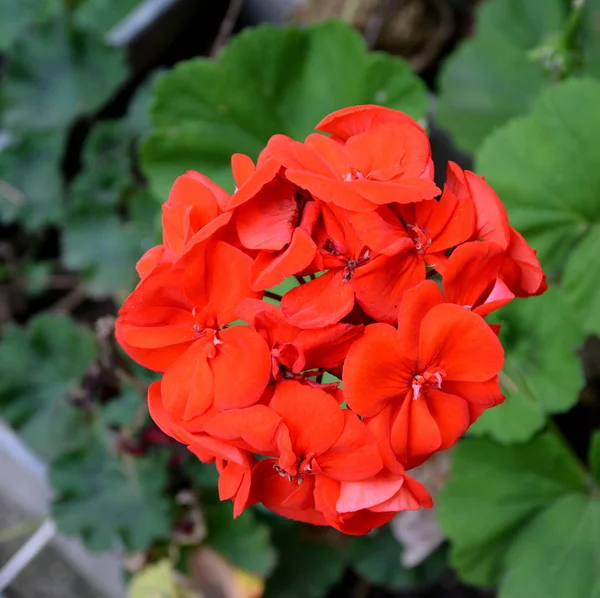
(354, 175)
(303, 468)
(420, 237)
(352, 264)
(430, 378)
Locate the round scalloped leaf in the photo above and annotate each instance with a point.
(501, 497)
(544, 166)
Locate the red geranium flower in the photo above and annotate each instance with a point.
(423, 379)
(379, 158)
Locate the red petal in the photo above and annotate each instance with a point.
(449, 221)
(412, 496)
(366, 494)
(253, 182)
(414, 306)
(451, 414)
(268, 221)
(382, 231)
(354, 120)
(491, 218)
(148, 262)
(326, 347)
(288, 499)
(380, 284)
(380, 426)
(461, 343)
(522, 271)
(329, 189)
(313, 418)
(188, 386)
(191, 205)
(375, 372)
(485, 394)
(404, 190)
(241, 368)
(256, 426)
(499, 295)
(320, 302)
(217, 281)
(354, 456)
(470, 272)
(242, 168)
(270, 269)
(415, 432)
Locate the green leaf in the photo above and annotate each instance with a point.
(244, 541)
(107, 499)
(268, 80)
(16, 15)
(106, 247)
(491, 77)
(307, 567)
(40, 368)
(31, 165)
(542, 372)
(595, 456)
(557, 555)
(106, 166)
(55, 75)
(100, 244)
(123, 409)
(591, 27)
(543, 168)
(376, 557)
(581, 279)
(496, 495)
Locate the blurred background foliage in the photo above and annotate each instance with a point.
(94, 129)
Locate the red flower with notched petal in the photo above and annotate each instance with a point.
(194, 212)
(389, 161)
(521, 270)
(428, 380)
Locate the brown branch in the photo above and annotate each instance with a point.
(227, 25)
(300, 279)
(272, 295)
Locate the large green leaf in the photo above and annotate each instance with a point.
(544, 167)
(268, 80)
(491, 78)
(542, 373)
(108, 499)
(57, 74)
(500, 498)
(307, 567)
(40, 368)
(581, 279)
(30, 164)
(557, 555)
(244, 541)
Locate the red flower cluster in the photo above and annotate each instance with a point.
(395, 280)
